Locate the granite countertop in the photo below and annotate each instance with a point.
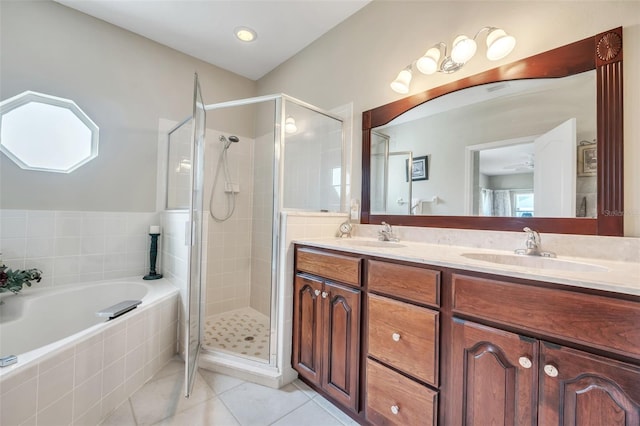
(608, 275)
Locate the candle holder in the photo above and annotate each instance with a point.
(153, 255)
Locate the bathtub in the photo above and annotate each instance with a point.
(73, 366)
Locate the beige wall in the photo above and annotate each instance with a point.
(124, 82)
(356, 61)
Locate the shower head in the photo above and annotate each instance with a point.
(227, 142)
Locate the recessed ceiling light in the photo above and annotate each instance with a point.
(245, 34)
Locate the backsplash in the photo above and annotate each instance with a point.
(76, 246)
(624, 249)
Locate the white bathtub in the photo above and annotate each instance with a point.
(74, 365)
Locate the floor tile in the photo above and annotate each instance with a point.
(335, 411)
(122, 416)
(310, 414)
(164, 397)
(220, 382)
(210, 412)
(305, 388)
(255, 405)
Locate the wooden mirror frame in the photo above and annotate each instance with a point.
(602, 52)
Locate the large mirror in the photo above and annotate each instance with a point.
(534, 143)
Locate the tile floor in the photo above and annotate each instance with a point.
(245, 331)
(221, 400)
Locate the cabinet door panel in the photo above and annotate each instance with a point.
(587, 390)
(341, 335)
(490, 385)
(307, 328)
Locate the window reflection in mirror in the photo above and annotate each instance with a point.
(46, 133)
(482, 147)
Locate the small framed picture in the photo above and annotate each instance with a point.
(419, 168)
(587, 160)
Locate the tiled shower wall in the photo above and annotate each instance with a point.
(228, 247)
(75, 246)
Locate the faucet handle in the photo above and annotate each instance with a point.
(386, 227)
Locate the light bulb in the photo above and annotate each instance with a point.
(463, 49)
(402, 81)
(499, 44)
(290, 125)
(428, 64)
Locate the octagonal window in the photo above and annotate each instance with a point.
(46, 133)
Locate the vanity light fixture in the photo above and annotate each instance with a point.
(245, 34)
(436, 59)
(290, 125)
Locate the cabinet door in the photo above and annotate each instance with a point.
(494, 376)
(578, 388)
(307, 328)
(342, 344)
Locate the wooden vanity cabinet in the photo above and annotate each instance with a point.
(500, 377)
(326, 324)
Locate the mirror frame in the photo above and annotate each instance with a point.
(602, 52)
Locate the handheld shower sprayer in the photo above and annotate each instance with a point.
(227, 142)
(223, 163)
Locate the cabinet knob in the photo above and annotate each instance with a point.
(550, 370)
(317, 292)
(525, 362)
(395, 409)
(324, 294)
(396, 338)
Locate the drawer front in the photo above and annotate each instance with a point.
(602, 322)
(404, 336)
(393, 399)
(408, 282)
(329, 265)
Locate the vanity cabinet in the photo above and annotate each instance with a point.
(326, 323)
(502, 377)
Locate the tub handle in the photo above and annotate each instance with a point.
(118, 309)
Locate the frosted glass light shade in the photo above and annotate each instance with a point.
(428, 64)
(463, 49)
(402, 81)
(499, 44)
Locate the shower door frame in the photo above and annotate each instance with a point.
(280, 100)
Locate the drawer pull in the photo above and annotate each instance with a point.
(317, 292)
(396, 338)
(525, 362)
(550, 370)
(324, 294)
(395, 409)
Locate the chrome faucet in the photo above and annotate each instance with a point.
(386, 233)
(534, 245)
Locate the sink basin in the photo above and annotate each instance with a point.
(373, 243)
(536, 262)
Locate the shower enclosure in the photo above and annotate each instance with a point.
(261, 156)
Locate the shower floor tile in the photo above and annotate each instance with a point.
(242, 331)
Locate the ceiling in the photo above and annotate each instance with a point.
(204, 28)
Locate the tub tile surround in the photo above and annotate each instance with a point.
(84, 383)
(74, 246)
(444, 247)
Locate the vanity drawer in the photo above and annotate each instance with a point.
(404, 336)
(414, 403)
(333, 266)
(602, 322)
(418, 285)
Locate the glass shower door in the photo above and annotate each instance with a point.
(194, 284)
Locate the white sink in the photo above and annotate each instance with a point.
(536, 262)
(373, 243)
